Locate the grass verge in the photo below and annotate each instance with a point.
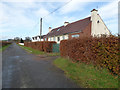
(3, 48)
(87, 75)
(37, 52)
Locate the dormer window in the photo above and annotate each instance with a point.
(58, 29)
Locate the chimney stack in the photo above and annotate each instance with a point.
(66, 23)
(93, 14)
(94, 10)
(50, 29)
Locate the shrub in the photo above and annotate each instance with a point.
(42, 45)
(4, 43)
(47, 46)
(63, 48)
(102, 52)
(39, 45)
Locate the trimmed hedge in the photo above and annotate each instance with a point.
(4, 43)
(45, 46)
(48, 46)
(102, 51)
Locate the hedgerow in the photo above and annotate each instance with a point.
(100, 51)
(4, 43)
(45, 46)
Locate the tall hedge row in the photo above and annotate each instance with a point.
(4, 43)
(102, 51)
(45, 46)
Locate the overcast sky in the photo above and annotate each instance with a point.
(20, 18)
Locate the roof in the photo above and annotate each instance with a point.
(38, 36)
(73, 27)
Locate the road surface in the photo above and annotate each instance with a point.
(24, 70)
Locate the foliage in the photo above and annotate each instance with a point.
(21, 40)
(4, 45)
(3, 48)
(100, 51)
(38, 52)
(45, 46)
(17, 39)
(31, 50)
(27, 39)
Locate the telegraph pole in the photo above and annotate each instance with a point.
(40, 28)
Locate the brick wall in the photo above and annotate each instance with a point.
(85, 32)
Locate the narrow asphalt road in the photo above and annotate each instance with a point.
(24, 70)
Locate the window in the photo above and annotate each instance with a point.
(63, 37)
(77, 35)
(58, 38)
(36, 38)
(54, 38)
(98, 21)
(45, 39)
(58, 29)
(50, 38)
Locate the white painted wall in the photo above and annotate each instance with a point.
(66, 36)
(21, 44)
(56, 38)
(36, 40)
(49, 38)
(98, 28)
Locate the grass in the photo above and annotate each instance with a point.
(3, 48)
(37, 52)
(87, 76)
(53, 54)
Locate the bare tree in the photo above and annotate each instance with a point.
(27, 39)
(17, 39)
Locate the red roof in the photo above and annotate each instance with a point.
(77, 26)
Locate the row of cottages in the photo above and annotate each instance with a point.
(92, 25)
(37, 38)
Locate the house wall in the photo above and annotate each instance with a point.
(35, 40)
(98, 28)
(85, 32)
(56, 38)
(95, 27)
(70, 35)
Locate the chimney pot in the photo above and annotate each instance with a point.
(94, 10)
(50, 29)
(66, 23)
